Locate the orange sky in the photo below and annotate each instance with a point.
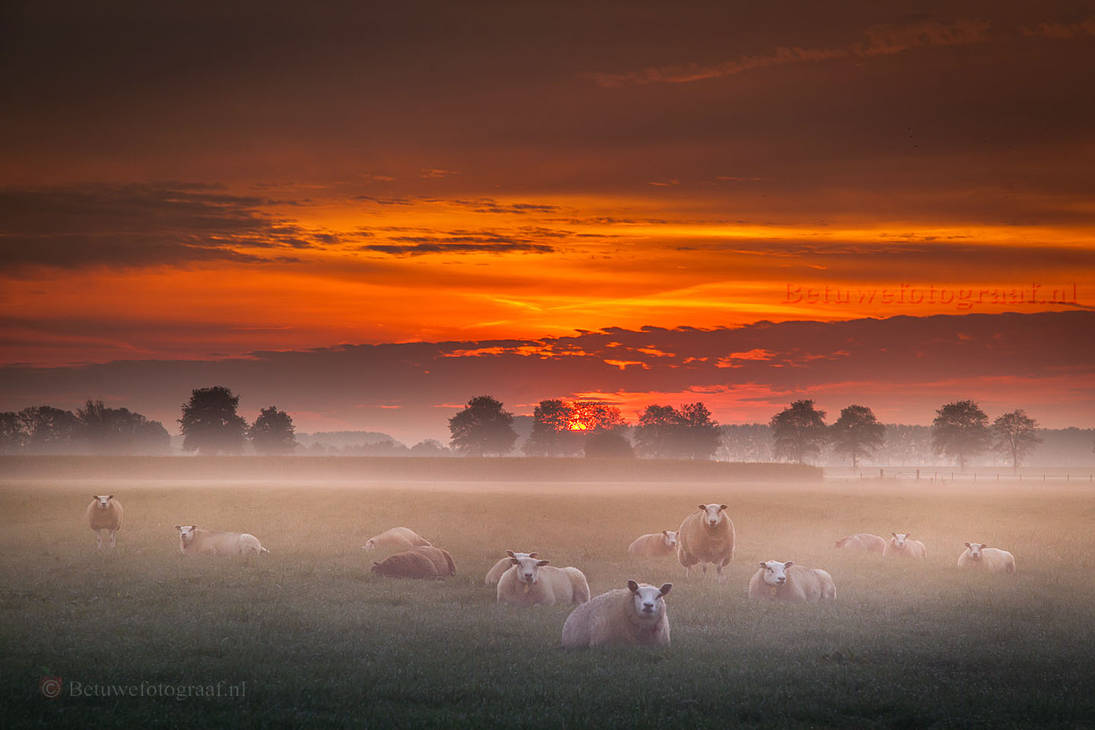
(193, 184)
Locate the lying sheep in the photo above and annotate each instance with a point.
(778, 581)
(397, 538)
(993, 560)
(424, 561)
(902, 546)
(632, 615)
(530, 582)
(105, 515)
(863, 542)
(495, 573)
(195, 540)
(654, 545)
(706, 537)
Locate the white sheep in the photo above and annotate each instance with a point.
(105, 515)
(530, 582)
(863, 542)
(902, 546)
(779, 581)
(192, 539)
(632, 615)
(397, 538)
(993, 560)
(706, 536)
(654, 545)
(496, 571)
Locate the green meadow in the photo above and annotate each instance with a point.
(309, 637)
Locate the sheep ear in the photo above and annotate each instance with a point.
(722, 507)
(632, 586)
(894, 534)
(763, 564)
(541, 562)
(509, 553)
(968, 545)
(665, 532)
(534, 555)
(178, 527)
(788, 564)
(515, 561)
(666, 588)
(110, 496)
(703, 508)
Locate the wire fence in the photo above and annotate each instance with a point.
(937, 474)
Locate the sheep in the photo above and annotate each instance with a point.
(397, 538)
(424, 561)
(993, 560)
(901, 546)
(706, 537)
(654, 545)
(634, 615)
(495, 573)
(105, 514)
(779, 581)
(195, 540)
(530, 582)
(863, 542)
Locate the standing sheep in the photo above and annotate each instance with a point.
(495, 573)
(420, 562)
(654, 545)
(397, 538)
(993, 560)
(863, 542)
(633, 615)
(778, 581)
(195, 540)
(531, 582)
(706, 537)
(105, 514)
(902, 546)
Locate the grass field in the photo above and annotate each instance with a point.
(320, 641)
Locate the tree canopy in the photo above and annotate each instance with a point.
(857, 433)
(1014, 435)
(798, 432)
(670, 433)
(273, 432)
(960, 430)
(210, 423)
(482, 428)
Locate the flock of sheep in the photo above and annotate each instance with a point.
(632, 615)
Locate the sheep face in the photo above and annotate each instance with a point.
(899, 538)
(102, 501)
(528, 569)
(775, 572)
(186, 533)
(975, 549)
(648, 601)
(370, 544)
(670, 537)
(712, 514)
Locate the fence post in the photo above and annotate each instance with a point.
(917, 475)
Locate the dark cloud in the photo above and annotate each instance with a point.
(877, 362)
(421, 245)
(139, 225)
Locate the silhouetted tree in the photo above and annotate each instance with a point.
(960, 430)
(551, 430)
(482, 428)
(49, 429)
(657, 432)
(120, 431)
(1013, 434)
(430, 447)
(210, 423)
(608, 445)
(798, 432)
(13, 433)
(699, 435)
(592, 416)
(857, 433)
(273, 432)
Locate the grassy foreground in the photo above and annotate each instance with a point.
(320, 641)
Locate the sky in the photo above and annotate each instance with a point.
(187, 186)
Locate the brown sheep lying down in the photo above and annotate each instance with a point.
(419, 562)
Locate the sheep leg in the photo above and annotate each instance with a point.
(722, 576)
(113, 539)
(98, 539)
